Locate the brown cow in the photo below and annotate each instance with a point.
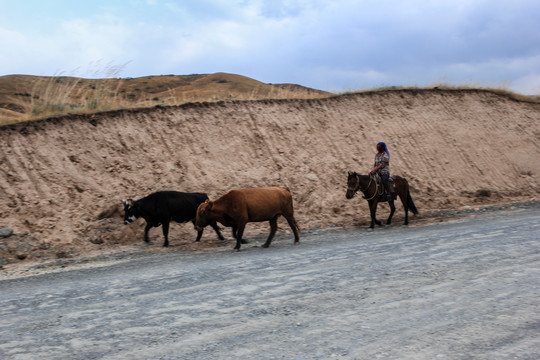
(238, 207)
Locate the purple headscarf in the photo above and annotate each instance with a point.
(385, 147)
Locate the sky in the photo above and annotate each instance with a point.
(333, 45)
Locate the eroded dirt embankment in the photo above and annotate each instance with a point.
(456, 148)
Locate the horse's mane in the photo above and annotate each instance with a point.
(356, 174)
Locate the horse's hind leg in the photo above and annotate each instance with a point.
(406, 216)
(405, 207)
(392, 211)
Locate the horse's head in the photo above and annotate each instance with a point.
(353, 184)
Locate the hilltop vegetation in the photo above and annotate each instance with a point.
(26, 97)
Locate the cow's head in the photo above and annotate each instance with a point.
(131, 212)
(203, 213)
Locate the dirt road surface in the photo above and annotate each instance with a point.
(464, 289)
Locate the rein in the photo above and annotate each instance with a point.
(357, 187)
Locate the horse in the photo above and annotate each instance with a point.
(374, 193)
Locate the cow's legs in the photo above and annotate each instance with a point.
(273, 229)
(239, 232)
(234, 231)
(146, 229)
(294, 227)
(199, 232)
(166, 233)
(216, 229)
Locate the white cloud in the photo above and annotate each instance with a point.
(528, 84)
(15, 41)
(333, 45)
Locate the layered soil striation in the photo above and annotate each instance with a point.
(62, 179)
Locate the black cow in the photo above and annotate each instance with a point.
(161, 207)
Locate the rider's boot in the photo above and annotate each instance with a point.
(384, 179)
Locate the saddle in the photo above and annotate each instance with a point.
(380, 185)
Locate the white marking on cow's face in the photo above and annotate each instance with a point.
(130, 219)
(130, 211)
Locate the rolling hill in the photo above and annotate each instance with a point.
(24, 97)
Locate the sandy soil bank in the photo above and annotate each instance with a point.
(62, 179)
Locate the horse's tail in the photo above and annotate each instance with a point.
(410, 204)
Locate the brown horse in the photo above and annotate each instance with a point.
(374, 193)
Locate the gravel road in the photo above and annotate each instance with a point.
(462, 289)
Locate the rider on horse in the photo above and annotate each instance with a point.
(382, 167)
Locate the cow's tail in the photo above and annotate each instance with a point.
(291, 209)
(297, 227)
(410, 204)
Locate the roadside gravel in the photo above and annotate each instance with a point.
(465, 288)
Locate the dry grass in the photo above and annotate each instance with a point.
(503, 91)
(25, 97)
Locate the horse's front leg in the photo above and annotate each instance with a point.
(373, 212)
(392, 211)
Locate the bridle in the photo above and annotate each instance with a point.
(358, 187)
